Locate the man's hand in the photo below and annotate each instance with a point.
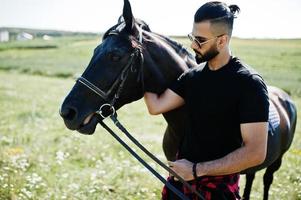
(183, 168)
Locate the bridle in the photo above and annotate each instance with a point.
(113, 115)
(119, 82)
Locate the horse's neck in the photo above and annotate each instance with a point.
(164, 61)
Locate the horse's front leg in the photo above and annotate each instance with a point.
(171, 143)
(248, 187)
(176, 128)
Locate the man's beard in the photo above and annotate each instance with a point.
(211, 53)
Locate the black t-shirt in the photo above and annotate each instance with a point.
(218, 102)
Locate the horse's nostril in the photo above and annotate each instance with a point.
(68, 113)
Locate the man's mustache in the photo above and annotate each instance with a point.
(197, 53)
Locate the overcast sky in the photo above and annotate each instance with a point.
(258, 18)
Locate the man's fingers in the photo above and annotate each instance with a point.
(170, 163)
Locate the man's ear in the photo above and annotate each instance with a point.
(223, 41)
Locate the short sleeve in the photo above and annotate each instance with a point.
(254, 100)
(179, 85)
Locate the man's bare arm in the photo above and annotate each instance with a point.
(252, 153)
(167, 101)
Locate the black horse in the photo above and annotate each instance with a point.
(130, 60)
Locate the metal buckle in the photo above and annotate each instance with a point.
(100, 110)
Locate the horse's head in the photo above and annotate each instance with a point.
(115, 75)
(115, 64)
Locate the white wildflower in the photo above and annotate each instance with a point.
(20, 162)
(73, 186)
(93, 176)
(102, 172)
(34, 181)
(61, 156)
(6, 168)
(26, 193)
(65, 175)
(6, 140)
(92, 190)
(98, 164)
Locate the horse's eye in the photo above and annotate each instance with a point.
(114, 57)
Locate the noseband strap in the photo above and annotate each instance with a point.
(92, 87)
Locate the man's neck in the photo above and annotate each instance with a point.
(219, 61)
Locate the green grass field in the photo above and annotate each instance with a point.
(41, 159)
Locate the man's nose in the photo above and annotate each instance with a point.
(193, 45)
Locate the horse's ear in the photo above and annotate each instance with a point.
(128, 16)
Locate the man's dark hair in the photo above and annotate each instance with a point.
(219, 15)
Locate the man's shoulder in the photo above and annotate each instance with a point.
(245, 71)
(197, 69)
(192, 71)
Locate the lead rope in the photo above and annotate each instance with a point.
(154, 158)
(154, 172)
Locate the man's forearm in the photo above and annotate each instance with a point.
(158, 104)
(151, 101)
(234, 162)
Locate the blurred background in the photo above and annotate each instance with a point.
(45, 44)
(258, 19)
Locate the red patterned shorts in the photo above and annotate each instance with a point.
(210, 187)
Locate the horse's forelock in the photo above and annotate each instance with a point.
(120, 27)
(116, 29)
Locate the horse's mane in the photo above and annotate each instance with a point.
(178, 47)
